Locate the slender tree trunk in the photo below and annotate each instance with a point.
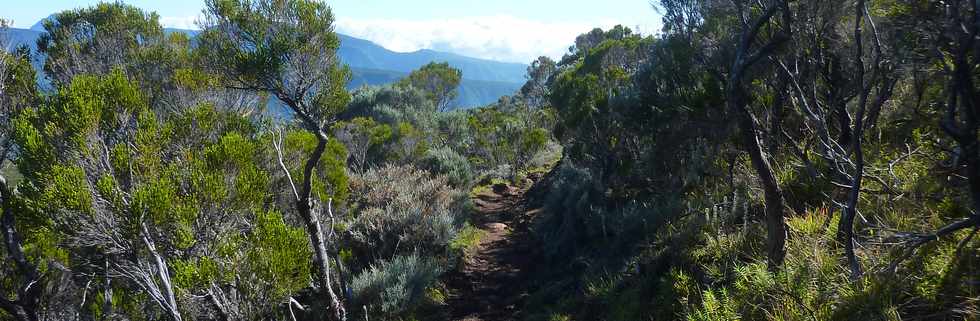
(973, 177)
(775, 221)
(845, 229)
(965, 88)
(304, 206)
(778, 113)
(748, 131)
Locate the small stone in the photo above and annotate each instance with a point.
(497, 226)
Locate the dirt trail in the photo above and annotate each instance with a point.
(492, 283)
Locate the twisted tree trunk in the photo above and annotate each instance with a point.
(845, 229)
(748, 129)
(304, 205)
(775, 220)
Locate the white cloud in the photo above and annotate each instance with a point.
(503, 38)
(188, 22)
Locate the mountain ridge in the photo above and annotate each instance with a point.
(484, 81)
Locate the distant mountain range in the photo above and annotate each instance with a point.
(484, 81)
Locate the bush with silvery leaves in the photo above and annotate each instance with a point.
(390, 288)
(403, 209)
(446, 161)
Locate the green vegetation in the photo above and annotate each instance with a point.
(439, 81)
(147, 184)
(789, 168)
(757, 160)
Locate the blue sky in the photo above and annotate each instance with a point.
(509, 30)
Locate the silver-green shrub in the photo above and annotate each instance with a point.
(390, 288)
(403, 209)
(446, 161)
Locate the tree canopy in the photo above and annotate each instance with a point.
(439, 81)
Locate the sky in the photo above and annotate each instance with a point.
(505, 30)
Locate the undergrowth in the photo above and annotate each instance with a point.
(700, 268)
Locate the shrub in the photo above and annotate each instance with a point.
(445, 161)
(391, 105)
(578, 214)
(399, 209)
(454, 129)
(568, 205)
(363, 138)
(392, 288)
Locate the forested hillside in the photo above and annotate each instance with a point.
(756, 160)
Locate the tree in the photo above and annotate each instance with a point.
(745, 56)
(288, 49)
(161, 205)
(957, 51)
(536, 112)
(169, 206)
(108, 205)
(109, 36)
(535, 91)
(837, 107)
(360, 136)
(96, 39)
(593, 95)
(865, 87)
(16, 94)
(960, 120)
(438, 80)
(505, 134)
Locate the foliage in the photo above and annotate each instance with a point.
(279, 255)
(403, 209)
(390, 105)
(110, 36)
(187, 184)
(330, 180)
(286, 48)
(364, 138)
(97, 39)
(445, 161)
(508, 135)
(148, 188)
(535, 91)
(655, 213)
(467, 240)
(439, 81)
(392, 288)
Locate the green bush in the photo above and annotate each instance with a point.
(392, 288)
(445, 161)
(391, 105)
(402, 209)
(579, 217)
